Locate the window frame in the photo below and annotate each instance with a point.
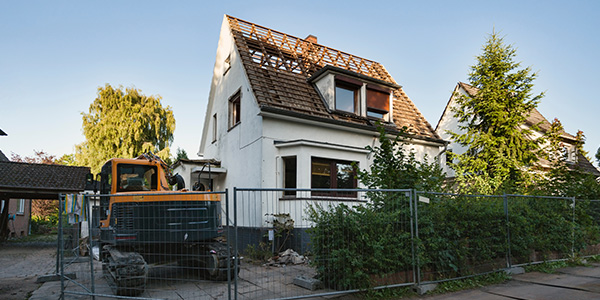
(20, 207)
(349, 86)
(235, 109)
(333, 180)
(214, 131)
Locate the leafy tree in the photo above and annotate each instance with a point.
(598, 156)
(124, 123)
(498, 148)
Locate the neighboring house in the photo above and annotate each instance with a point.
(286, 112)
(448, 122)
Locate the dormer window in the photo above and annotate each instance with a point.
(348, 92)
(346, 96)
(378, 102)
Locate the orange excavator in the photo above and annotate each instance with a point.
(143, 221)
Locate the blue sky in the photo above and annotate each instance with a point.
(55, 54)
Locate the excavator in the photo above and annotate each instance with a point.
(143, 222)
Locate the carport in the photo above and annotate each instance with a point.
(20, 180)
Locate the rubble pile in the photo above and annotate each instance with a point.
(287, 257)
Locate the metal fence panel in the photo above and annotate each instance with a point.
(167, 246)
(459, 235)
(345, 239)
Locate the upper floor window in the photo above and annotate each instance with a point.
(214, 131)
(378, 103)
(346, 97)
(235, 109)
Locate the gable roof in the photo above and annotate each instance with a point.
(534, 118)
(279, 65)
(40, 181)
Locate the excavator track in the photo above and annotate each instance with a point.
(217, 259)
(126, 272)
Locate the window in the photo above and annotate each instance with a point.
(21, 207)
(235, 109)
(346, 97)
(227, 64)
(289, 174)
(334, 174)
(136, 178)
(214, 131)
(378, 103)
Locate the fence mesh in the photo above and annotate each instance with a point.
(306, 243)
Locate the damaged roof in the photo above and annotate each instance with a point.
(279, 66)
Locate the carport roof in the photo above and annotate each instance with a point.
(40, 181)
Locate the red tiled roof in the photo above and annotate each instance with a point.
(278, 67)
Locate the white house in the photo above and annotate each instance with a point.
(286, 112)
(448, 122)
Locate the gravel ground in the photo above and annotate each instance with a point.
(21, 264)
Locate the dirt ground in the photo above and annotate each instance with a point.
(21, 264)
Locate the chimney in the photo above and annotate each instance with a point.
(311, 38)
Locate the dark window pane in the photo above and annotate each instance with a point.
(289, 173)
(345, 98)
(321, 174)
(345, 176)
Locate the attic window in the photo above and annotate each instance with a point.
(227, 64)
(346, 96)
(378, 103)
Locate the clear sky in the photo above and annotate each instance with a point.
(55, 54)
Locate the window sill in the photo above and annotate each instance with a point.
(234, 126)
(323, 198)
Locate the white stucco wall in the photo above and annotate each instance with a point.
(248, 150)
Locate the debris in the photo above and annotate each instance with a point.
(287, 257)
(307, 283)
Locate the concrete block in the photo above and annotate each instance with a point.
(422, 289)
(307, 283)
(54, 277)
(514, 271)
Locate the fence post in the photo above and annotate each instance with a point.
(412, 234)
(61, 197)
(88, 214)
(415, 248)
(235, 232)
(573, 229)
(508, 244)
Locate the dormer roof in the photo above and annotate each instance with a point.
(279, 67)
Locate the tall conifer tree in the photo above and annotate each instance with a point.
(498, 148)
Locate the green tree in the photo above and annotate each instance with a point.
(124, 123)
(598, 156)
(499, 150)
(180, 154)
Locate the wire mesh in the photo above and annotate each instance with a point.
(459, 235)
(308, 243)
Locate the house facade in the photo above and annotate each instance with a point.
(535, 120)
(286, 112)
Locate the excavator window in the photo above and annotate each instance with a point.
(132, 177)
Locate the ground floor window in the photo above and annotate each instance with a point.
(21, 207)
(289, 174)
(334, 174)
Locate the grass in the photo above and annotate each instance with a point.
(471, 282)
(551, 267)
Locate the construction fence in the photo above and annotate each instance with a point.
(301, 243)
